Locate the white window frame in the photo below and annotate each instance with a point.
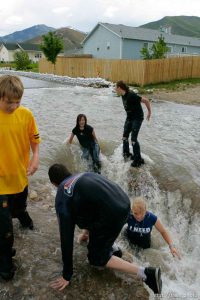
(183, 49)
(170, 49)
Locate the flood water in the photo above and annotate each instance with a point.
(170, 179)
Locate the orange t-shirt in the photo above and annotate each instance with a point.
(17, 131)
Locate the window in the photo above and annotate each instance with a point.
(184, 49)
(147, 45)
(170, 49)
(97, 48)
(38, 55)
(108, 45)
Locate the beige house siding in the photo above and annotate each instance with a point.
(35, 55)
(6, 55)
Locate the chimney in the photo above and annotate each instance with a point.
(166, 29)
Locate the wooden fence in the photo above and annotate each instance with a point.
(141, 72)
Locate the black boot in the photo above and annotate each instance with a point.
(126, 151)
(137, 163)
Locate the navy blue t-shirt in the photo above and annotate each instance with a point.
(84, 136)
(139, 233)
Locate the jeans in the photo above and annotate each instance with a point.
(132, 126)
(93, 150)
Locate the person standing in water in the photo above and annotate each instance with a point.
(88, 141)
(132, 105)
(18, 135)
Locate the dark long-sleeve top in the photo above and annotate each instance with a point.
(90, 201)
(132, 105)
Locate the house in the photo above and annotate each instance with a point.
(7, 51)
(112, 41)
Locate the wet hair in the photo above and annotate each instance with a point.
(139, 203)
(122, 85)
(79, 117)
(57, 173)
(11, 87)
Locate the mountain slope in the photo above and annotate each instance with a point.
(26, 34)
(72, 38)
(181, 25)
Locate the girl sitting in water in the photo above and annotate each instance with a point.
(140, 224)
(88, 141)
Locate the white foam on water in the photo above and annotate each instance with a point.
(181, 278)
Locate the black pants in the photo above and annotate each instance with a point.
(11, 206)
(101, 240)
(132, 126)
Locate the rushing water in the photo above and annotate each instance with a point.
(170, 179)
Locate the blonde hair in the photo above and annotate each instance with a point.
(139, 203)
(11, 87)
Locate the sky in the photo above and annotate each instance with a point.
(83, 15)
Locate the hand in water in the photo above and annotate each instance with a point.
(59, 284)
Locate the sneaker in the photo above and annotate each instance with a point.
(116, 251)
(153, 279)
(26, 221)
(30, 226)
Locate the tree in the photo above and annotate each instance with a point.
(145, 53)
(51, 46)
(22, 60)
(158, 50)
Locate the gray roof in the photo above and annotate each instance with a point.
(23, 46)
(10, 46)
(30, 47)
(137, 33)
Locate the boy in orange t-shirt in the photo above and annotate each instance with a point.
(18, 134)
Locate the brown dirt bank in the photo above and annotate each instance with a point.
(186, 95)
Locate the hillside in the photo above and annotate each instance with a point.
(181, 25)
(72, 38)
(26, 34)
